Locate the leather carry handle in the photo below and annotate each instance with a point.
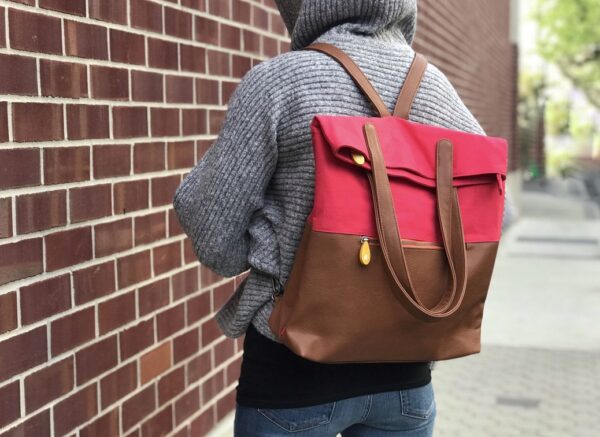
(407, 93)
(450, 226)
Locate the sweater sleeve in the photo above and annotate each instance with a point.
(217, 199)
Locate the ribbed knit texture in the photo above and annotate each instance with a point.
(245, 203)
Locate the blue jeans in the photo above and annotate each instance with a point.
(404, 413)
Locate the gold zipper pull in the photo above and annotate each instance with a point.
(358, 158)
(364, 254)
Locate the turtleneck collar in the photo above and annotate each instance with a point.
(388, 20)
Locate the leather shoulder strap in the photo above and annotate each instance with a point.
(407, 93)
(355, 72)
(410, 86)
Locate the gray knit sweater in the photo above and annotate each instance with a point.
(245, 203)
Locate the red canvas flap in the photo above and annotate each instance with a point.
(409, 148)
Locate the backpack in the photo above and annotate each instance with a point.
(396, 256)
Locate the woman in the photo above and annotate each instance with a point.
(245, 203)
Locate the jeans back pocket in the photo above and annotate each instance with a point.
(300, 419)
(418, 402)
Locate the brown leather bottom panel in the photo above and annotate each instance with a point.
(335, 309)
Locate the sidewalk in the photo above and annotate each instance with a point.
(538, 373)
(539, 370)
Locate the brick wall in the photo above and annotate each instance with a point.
(105, 315)
(470, 41)
(106, 321)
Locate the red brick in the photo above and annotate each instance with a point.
(207, 91)
(213, 386)
(232, 374)
(34, 32)
(18, 75)
(180, 154)
(85, 40)
(72, 331)
(10, 407)
(114, 11)
(160, 424)
(130, 121)
(3, 122)
(130, 196)
(176, 229)
(185, 345)
(105, 425)
(230, 37)
(251, 41)
(109, 83)
(187, 405)
(20, 260)
(180, 89)
(153, 296)
(198, 307)
(210, 331)
(48, 384)
(207, 31)
(261, 18)
(240, 66)
(199, 5)
(203, 424)
(87, 121)
(146, 15)
(118, 384)
(2, 28)
(165, 122)
(62, 79)
(148, 157)
(162, 54)
(112, 160)
(75, 410)
(116, 312)
(133, 268)
(127, 47)
(113, 237)
(192, 58)
(138, 407)
(146, 86)
(40, 211)
(67, 248)
(8, 312)
(178, 23)
(66, 164)
(167, 257)
(241, 12)
(224, 350)
(75, 7)
(48, 115)
(199, 366)
(225, 405)
(87, 203)
(171, 385)
(170, 321)
(215, 121)
(270, 47)
(11, 164)
(194, 123)
(36, 426)
(5, 217)
(219, 63)
(221, 294)
(96, 359)
(45, 298)
(227, 90)
(163, 189)
(94, 282)
(155, 362)
(137, 338)
(150, 228)
(25, 350)
(185, 283)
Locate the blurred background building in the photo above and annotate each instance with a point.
(106, 317)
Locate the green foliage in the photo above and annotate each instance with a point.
(558, 114)
(570, 38)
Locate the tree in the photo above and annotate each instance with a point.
(570, 38)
